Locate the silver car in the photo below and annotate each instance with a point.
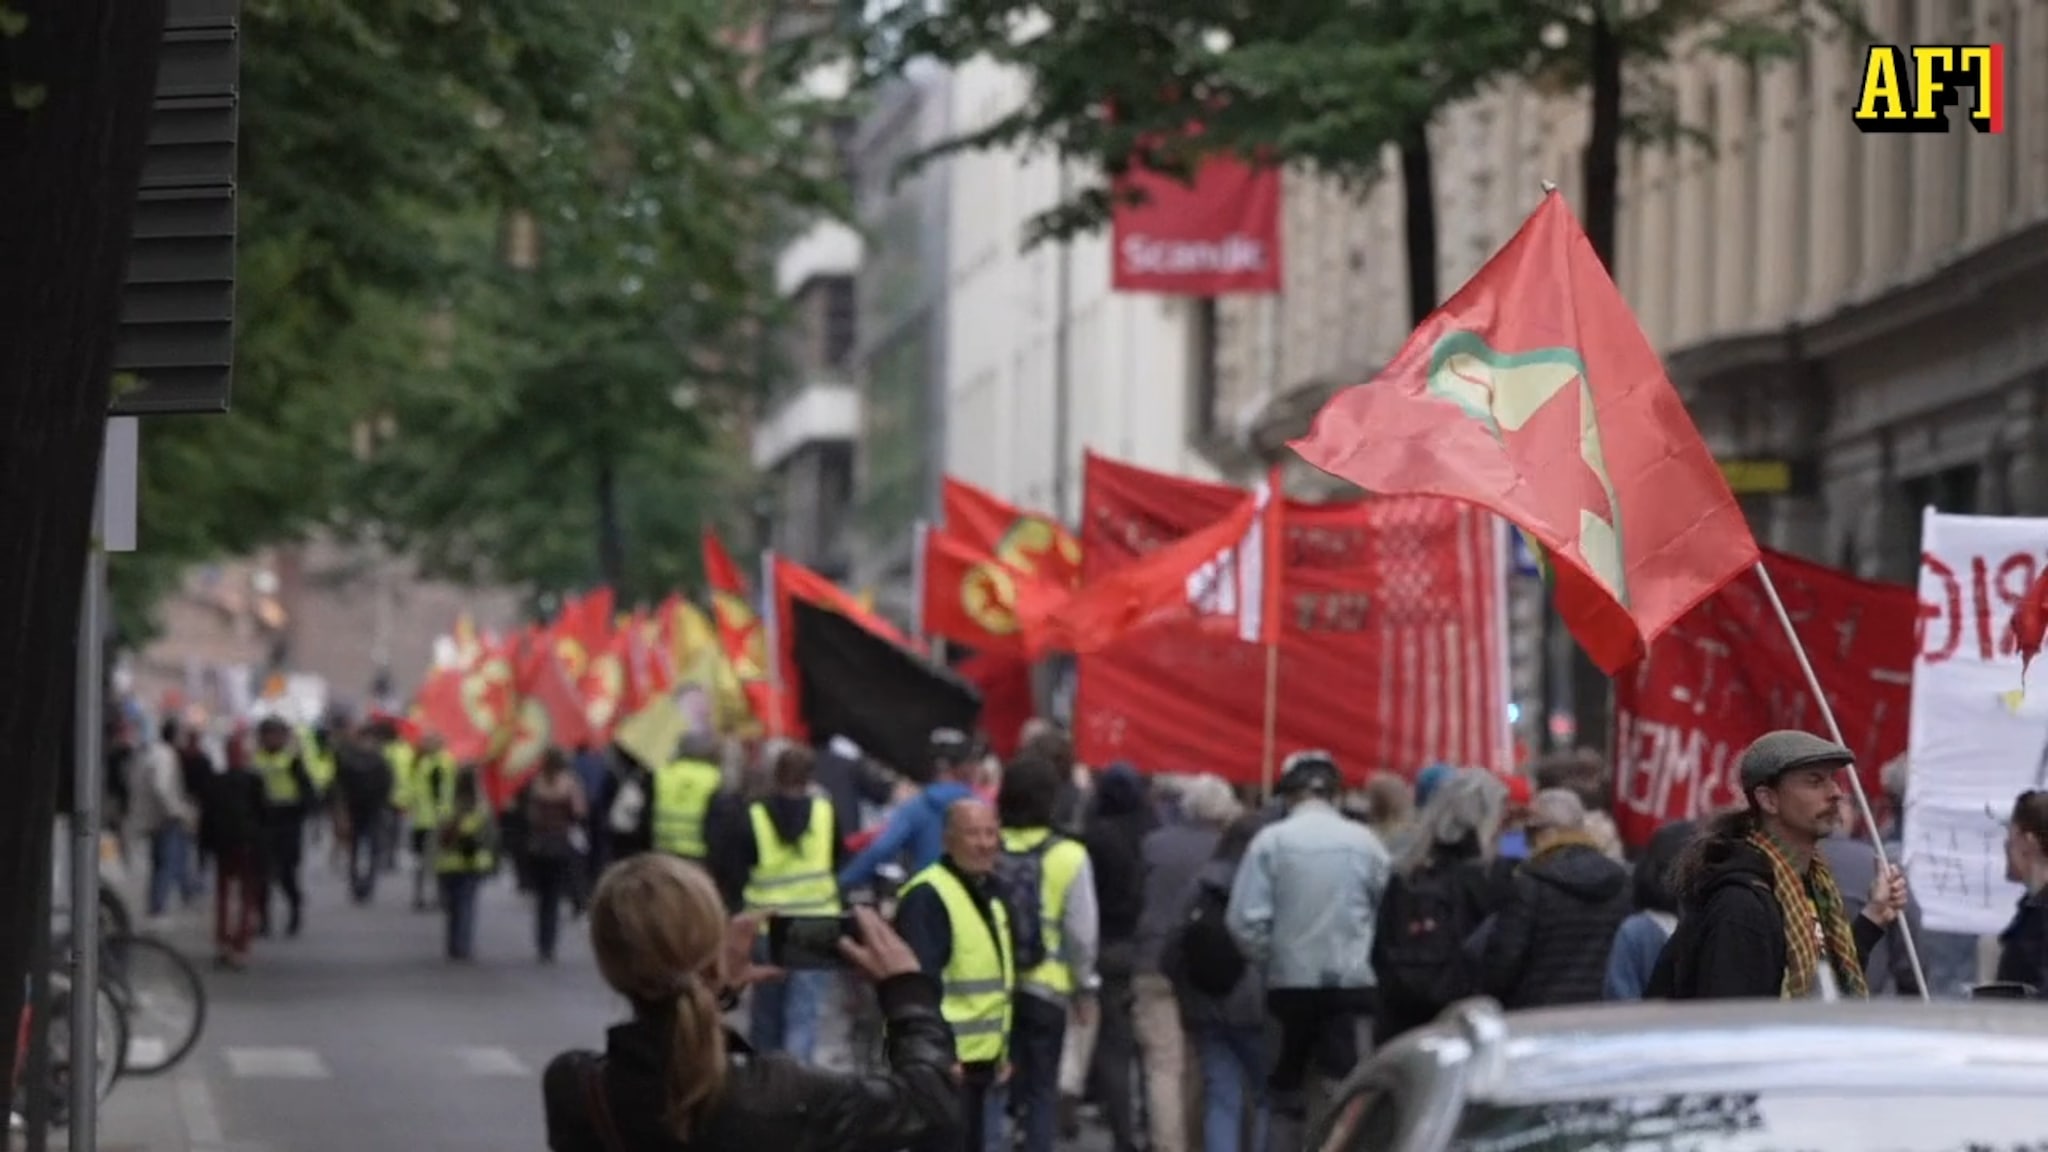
(1739, 1076)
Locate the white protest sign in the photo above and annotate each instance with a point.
(1975, 742)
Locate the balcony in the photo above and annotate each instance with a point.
(820, 411)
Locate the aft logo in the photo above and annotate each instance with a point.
(1912, 89)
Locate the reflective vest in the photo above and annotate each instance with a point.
(978, 979)
(402, 758)
(682, 794)
(474, 826)
(319, 762)
(1058, 869)
(431, 790)
(793, 879)
(280, 783)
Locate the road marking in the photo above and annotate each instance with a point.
(491, 1062)
(276, 1064)
(202, 1119)
(146, 1051)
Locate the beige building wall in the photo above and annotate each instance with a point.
(1869, 304)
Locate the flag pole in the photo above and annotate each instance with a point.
(771, 627)
(1271, 741)
(920, 542)
(1855, 778)
(1503, 655)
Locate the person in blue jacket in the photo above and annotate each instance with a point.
(916, 833)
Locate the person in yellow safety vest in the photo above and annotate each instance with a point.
(791, 860)
(321, 818)
(952, 917)
(430, 788)
(402, 758)
(1050, 889)
(679, 800)
(464, 854)
(287, 798)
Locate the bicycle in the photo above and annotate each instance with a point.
(161, 998)
(110, 1044)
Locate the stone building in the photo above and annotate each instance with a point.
(1858, 313)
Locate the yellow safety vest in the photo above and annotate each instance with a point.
(432, 787)
(682, 794)
(452, 859)
(402, 757)
(319, 763)
(280, 783)
(1058, 868)
(793, 879)
(978, 979)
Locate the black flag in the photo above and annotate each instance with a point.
(853, 683)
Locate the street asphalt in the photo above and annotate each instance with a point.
(358, 1034)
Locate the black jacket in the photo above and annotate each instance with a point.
(771, 1103)
(1730, 940)
(363, 777)
(1550, 939)
(2023, 946)
(231, 813)
(1482, 888)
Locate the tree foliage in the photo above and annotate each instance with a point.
(385, 143)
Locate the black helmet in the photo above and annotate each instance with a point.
(1312, 771)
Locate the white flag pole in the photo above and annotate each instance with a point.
(1827, 713)
(771, 629)
(1503, 651)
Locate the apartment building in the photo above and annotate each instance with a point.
(1856, 314)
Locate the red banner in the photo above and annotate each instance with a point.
(1389, 656)
(1217, 236)
(1725, 674)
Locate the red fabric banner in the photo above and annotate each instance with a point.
(1725, 674)
(1217, 236)
(1389, 655)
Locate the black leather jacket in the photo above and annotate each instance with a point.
(770, 1102)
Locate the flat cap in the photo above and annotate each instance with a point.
(1775, 753)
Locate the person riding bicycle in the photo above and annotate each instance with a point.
(918, 827)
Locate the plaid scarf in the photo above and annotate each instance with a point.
(1813, 913)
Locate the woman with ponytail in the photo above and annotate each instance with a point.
(673, 1077)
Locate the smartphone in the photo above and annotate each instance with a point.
(807, 942)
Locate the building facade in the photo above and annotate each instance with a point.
(900, 350)
(1044, 361)
(1855, 310)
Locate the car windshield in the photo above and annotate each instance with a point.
(1789, 1122)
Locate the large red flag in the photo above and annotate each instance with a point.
(1030, 542)
(1534, 393)
(740, 633)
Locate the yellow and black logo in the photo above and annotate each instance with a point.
(988, 593)
(1911, 89)
(1033, 543)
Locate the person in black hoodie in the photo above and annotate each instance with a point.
(1116, 830)
(231, 832)
(2023, 946)
(363, 777)
(1759, 913)
(1550, 939)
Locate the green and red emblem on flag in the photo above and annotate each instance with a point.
(1534, 393)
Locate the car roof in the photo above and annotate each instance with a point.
(1900, 1046)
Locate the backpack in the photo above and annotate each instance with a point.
(1209, 958)
(1423, 959)
(1020, 877)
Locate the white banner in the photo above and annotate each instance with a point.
(1976, 742)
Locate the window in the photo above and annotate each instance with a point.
(1204, 385)
(1896, 1119)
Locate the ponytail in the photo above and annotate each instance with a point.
(696, 1070)
(1689, 870)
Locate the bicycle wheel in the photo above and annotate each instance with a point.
(163, 997)
(110, 1044)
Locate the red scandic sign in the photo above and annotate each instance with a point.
(1975, 602)
(1389, 655)
(1725, 675)
(1219, 235)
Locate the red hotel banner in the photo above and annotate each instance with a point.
(1726, 675)
(1215, 237)
(1390, 653)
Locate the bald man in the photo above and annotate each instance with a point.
(950, 916)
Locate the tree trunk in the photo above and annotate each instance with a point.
(611, 532)
(1593, 692)
(73, 162)
(1418, 198)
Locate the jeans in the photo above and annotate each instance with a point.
(458, 905)
(1116, 1051)
(171, 866)
(552, 881)
(363, 848)
(286, 841)
(1233, 1061)
(785, 1013)
(1038, 1029)
(238, 901)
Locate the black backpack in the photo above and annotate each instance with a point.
(1210, 960)
(1020, 877)
(1423, 960)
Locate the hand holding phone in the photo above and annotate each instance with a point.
(801, 943)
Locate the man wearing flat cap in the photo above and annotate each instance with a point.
(1759, 913)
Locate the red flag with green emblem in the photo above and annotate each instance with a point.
(1533, 392)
